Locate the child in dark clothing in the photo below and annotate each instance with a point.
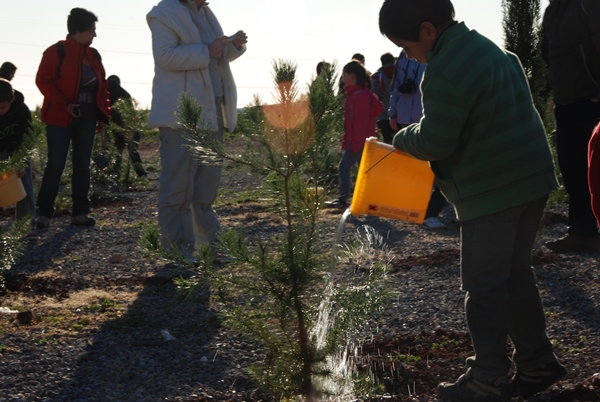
(15, 121)
(488, 149)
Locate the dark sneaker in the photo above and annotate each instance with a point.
(32, 235)
(340, 203)
(82, 220)
(572, 243)
(527, 383)
(470, 389)
(42, 222)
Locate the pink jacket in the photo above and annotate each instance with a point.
(361, 110)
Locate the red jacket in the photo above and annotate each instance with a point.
(594, 171)
(361, 110)
(60, 88)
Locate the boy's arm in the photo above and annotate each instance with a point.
(438, 133)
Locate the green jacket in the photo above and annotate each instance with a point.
(480, 130)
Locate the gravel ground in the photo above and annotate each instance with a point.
(93, 311)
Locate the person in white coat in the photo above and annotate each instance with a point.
(191, 55)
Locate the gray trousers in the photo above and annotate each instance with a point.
(187, 191)
(502, 298)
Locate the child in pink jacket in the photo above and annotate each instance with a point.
(361, 110)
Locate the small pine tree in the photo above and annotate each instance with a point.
(271, 289)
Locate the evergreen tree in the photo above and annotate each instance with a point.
(523, 36)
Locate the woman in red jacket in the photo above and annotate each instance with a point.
(362, 108)
(72, 79)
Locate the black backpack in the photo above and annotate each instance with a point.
(61, 55)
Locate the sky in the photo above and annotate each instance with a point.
(303, 31)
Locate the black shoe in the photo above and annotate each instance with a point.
(340, 203)
(572, 243)
(527, 383)
(469, 389)
(82, 220)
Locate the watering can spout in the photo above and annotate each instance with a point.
(391, 184)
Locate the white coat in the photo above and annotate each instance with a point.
(181, 65)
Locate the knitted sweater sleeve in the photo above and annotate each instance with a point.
(445, 113)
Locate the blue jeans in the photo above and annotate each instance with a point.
(502, 296)
(26, 205)
(349, 159)
(574, 126)
(82, 134)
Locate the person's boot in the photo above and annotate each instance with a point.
(470, 389)
(572, 243)
(528, 383)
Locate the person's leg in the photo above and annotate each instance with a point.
(119, 140)
(58, 140)
(387, 132)
(206, 185)
(437, 202)
(349, 159)
(526, 320)
(84, 135)
(178, 169)
(134, 155)
(27, 205)
(574, 126)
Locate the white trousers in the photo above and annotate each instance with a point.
(187, 192)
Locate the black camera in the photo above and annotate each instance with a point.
(408, 87)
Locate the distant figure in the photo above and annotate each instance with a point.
(321, 66)
(405, 103)
(116, 92)
(8, 70)
(72, 79)
(406, 107)
(571, 48)
(361, 59)
(381, 86)
(361, 110)
(191, 54)
(15, 121)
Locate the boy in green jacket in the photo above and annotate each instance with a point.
(488, 149)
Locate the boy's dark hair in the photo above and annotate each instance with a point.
(80, 20)
(7, 69)
(402, 19)
(386, 59)
(356, 67)
(6, 90)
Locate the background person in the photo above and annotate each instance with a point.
(360, 115)
(15, 122)
(381, 86)
(571, 48)
(72, 79)
(191, 55)
(473, 148)
(116, 92)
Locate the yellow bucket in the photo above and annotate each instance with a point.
(11, 189)
(391, 184)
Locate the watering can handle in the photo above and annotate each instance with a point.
(388, 154)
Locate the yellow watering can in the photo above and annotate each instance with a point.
(391, 184)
